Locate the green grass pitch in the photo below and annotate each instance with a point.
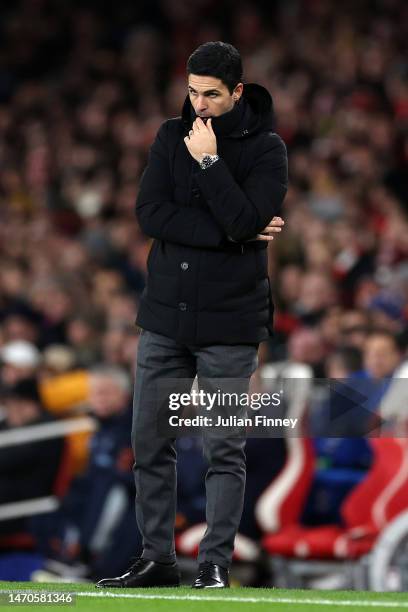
(184, 599)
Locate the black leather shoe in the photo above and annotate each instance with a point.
(210, 576)
(144, 573)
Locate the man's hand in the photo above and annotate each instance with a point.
(274, 226)
(201, 139)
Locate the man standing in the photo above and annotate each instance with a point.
(215, 181)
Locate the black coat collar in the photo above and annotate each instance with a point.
(253, 113)
(227, 123)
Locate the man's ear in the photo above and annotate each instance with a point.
(237, 93)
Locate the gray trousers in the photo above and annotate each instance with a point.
(158, 358)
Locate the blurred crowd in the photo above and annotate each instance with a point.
(82, 93)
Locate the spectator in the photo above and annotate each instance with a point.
(354, 328)
(344, 362)
(19, 360)
(306, 346)
(95, 525)
(382, 354)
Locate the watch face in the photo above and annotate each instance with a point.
(208, 160)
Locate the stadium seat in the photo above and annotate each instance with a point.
(381, 496)
(281, 504)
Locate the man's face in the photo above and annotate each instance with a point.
(106, 397)
(210, 97)
(381, 356)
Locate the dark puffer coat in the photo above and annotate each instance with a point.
(206, 284)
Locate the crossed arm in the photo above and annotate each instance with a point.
(240, 214)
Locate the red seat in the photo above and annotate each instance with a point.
(323, 542)
(281, 504)
(368, 508)
(283, 542)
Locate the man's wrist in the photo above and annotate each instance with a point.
(207, 160)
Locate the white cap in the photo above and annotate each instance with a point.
(20, 354)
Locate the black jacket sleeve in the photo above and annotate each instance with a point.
(246, 210)
(160, 217)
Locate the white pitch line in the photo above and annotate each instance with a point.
(277, 600)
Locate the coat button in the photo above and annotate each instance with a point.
(184, 265)
(182, 306)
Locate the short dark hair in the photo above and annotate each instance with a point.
(350, 356)
(217, 59)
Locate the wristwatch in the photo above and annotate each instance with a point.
(208, 160)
